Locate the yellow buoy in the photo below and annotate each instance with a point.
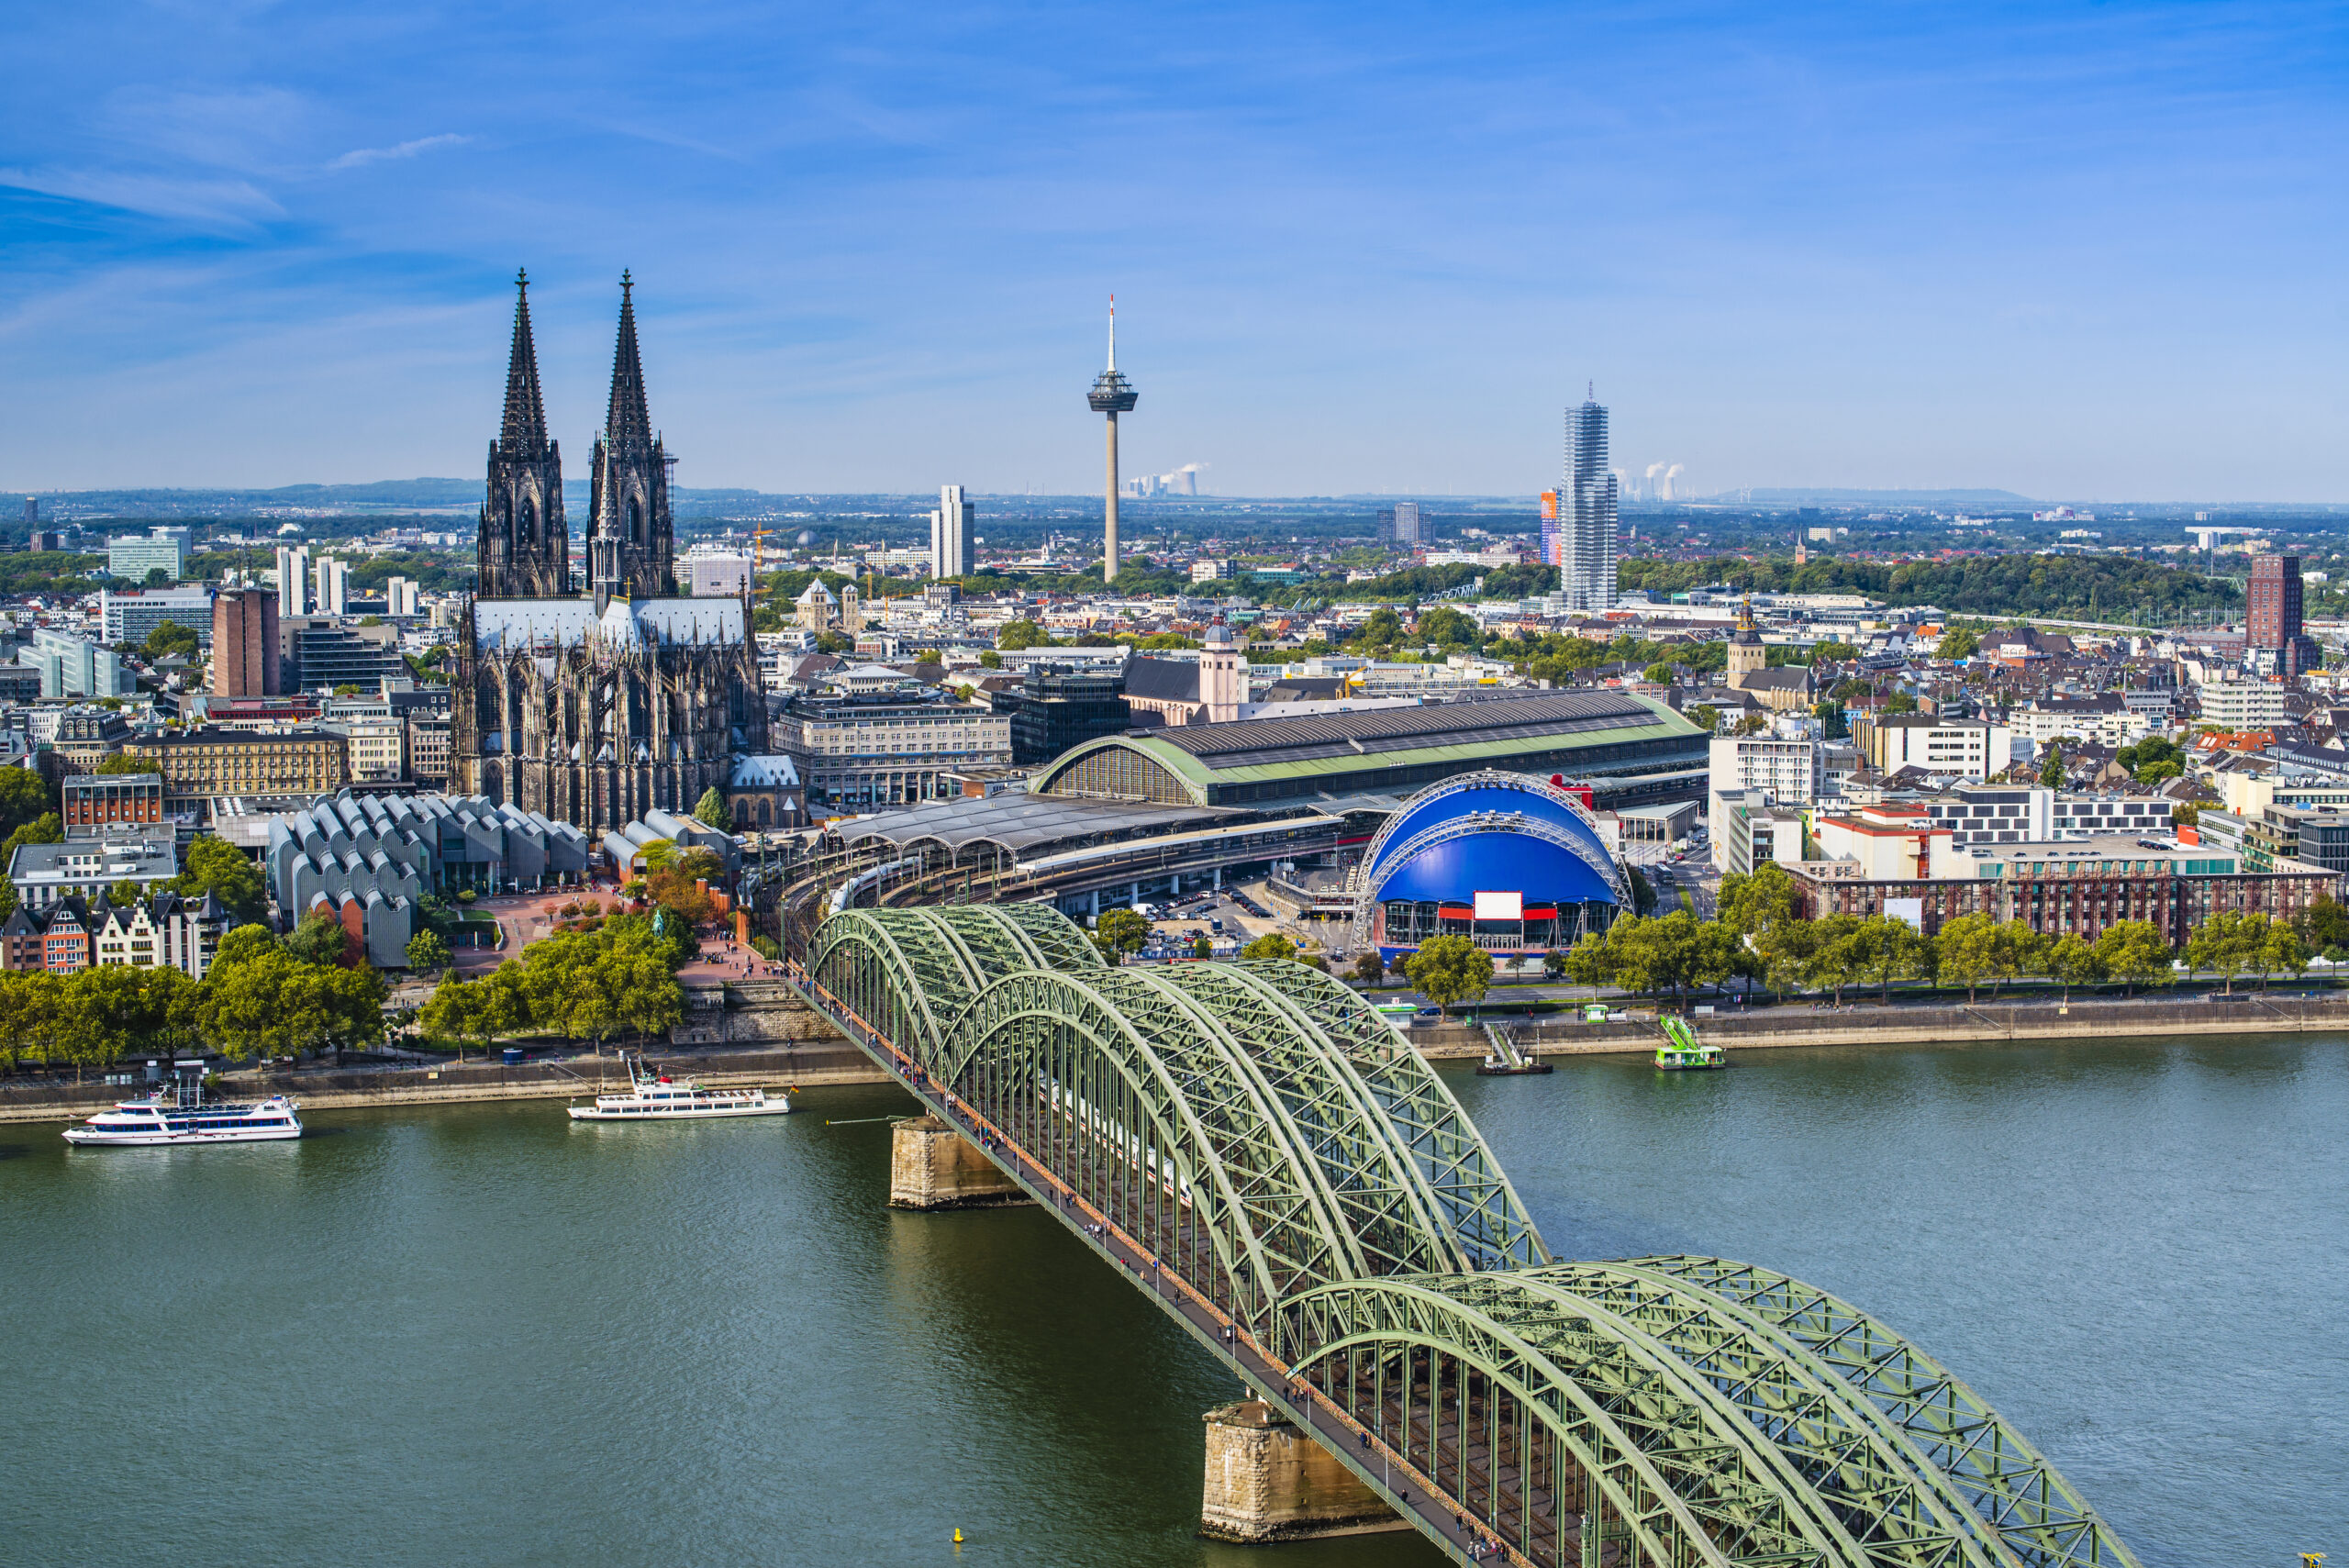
(957, 1538)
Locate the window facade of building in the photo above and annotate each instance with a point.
(210, 761)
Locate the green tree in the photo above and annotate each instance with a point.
(2135, 954)
(1831, 953)
(1968, 952)
(427, 949)
(1450, 968)
(24, 796)
(115, 763)
(216, 866)
(169, 637)
(1754, 904)
(319, 939)
(2072, 962)
(1891, 950)
(124, 894)
(1118, 932)
(1899, 703)
(1201, 948)
(1960, 642)
(46, 828)
(711, 810)
(1019, 635)
(1643, 895)
(1447, 627)
(1369, 968)
(2227, 944)
(1272, 946)
(1705, 716)
(990, 660)
(2324, 925)
(2281, 949)
(2050, 771)
(242, 945)
(2022, 951)
(1659, 673)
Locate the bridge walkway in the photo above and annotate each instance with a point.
(1332, 1413)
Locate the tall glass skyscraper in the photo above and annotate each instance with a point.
(1586, 525)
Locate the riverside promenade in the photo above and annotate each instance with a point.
(753, 1031)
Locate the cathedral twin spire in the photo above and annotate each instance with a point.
(525, 545)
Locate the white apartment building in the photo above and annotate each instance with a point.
(2241, 704)
(378, 748)
(1786, 770)
(1971, 747)
(2106, 718)
(1754, 832)
(2021, 814)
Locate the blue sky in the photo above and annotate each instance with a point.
(2081, 251)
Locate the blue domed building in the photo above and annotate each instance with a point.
(1513, 862)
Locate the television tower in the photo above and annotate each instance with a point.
(1112, 394)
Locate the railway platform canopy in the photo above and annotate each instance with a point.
(1631, 750)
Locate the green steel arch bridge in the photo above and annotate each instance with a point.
(1286, 1176)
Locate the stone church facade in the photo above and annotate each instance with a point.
(594, 709)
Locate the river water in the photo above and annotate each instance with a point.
(480, 1334)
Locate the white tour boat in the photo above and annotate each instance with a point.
(178, 1115)
(652, 1097)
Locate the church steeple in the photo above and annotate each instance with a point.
(526, 413)
(627, 425)
(631, 538)
(524, 547)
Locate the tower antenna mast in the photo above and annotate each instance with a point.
(1112, 394)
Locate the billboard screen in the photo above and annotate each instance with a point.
(1500, 905)
(1909, 909)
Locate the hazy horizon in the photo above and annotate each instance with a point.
(2089, 249)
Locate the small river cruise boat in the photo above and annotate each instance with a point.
(179, 1114)
(1682, 1051)
(657, 1097)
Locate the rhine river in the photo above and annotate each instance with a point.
(480, 1334)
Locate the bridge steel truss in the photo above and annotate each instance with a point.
(1260, 1140)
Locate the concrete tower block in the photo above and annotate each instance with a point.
(934, 1166)
(1268, 1481)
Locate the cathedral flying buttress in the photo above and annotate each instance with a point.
(597, 709)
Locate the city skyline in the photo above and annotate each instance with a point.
(2007, 248)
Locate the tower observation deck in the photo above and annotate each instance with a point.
(1112, 394)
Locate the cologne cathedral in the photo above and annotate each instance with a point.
(595, 708)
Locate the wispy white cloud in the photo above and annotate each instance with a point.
(362, 156)
(233, 204)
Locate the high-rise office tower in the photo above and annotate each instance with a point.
(1410, 528)
(333, 596)
(2273, 619)
(32, 511)
(1586, 513)
(292, 580)
(1385, 530)
(402, 596)
(1112, 394)
(950, 533)
(244, 644)
(1550, 556)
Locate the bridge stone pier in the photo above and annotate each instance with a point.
(932, 1166)
(1285, 1176)
(1267, 1481)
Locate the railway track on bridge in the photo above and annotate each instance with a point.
(1266, 1157)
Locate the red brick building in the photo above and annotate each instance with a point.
(97, 801)
(2076, 887)
(244, 644)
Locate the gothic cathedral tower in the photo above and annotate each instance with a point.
(630, 545)
(525, 544)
